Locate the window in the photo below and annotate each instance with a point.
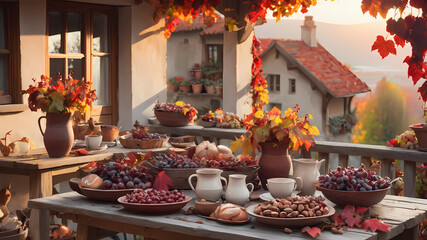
(214, 53)
(273, 82)
(10, 81)
(292, 86)
(82, 44)
(272, 105)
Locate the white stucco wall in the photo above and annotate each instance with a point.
(182, 57)
(335, 107)
(309, 100)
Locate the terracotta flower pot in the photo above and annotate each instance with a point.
(58, 137)
(197, 88)
(210, 89)
(274, 162)
(421, 134)
(185, 88)
(172, 88)
(198, 74)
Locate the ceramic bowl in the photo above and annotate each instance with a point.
(154, 209)
(359, 199)
(105, 195)
(205, 207)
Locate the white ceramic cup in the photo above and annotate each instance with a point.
(93, 141)
(283, 187)
(21, 148)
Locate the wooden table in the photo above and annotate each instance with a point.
(193, 130)
(404, 214)
(44, 172)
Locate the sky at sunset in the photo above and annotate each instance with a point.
(338, 12)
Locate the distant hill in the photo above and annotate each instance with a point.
(350, 44)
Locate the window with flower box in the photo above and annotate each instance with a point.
(82, 43)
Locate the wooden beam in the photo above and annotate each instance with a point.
(409, 179)
(366, 161)
(386, 167)
(324, 168)
(343, 160)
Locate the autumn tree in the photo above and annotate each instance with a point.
(381, 116)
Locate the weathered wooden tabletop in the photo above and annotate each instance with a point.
(402, 213)
(193, 130)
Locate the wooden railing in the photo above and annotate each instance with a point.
(385, 154)
(324, 148)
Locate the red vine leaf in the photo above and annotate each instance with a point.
(399, 41)
(374, 225)
(384, 47)
(351, 216)
(162, 182)
(423, 91)
(312, 231)
(81, 152)
(337, 218)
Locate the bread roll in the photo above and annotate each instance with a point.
(229, 211)
(91, 181)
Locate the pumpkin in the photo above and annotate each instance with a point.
(206, 150)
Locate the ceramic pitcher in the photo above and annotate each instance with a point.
(308, 171)
(237, 190)
(208, 185)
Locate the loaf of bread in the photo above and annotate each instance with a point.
(232, 212)
(91, 181)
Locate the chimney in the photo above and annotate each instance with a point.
(308, 32)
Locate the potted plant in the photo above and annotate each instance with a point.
(209, 86)
(197, 71)
(218, 87)
(275, 133)
(173, 84)
(185, 86)
(59, 101)
(197, 86)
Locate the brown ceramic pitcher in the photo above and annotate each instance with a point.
(274, 162)
(58, 137)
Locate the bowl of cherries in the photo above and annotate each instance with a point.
(353, 186)
(174, 114)
(152, 201)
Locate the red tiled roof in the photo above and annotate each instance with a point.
(198, 24)
(322, 64)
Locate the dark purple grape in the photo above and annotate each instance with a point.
(107, 184)
(129, 184)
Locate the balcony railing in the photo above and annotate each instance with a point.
(324, 148)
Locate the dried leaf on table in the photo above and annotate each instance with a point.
(374, 225)
(81, 152)
(162, 182)
(312, 231)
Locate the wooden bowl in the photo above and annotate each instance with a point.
(289, 222)
(172, 119)
(104, 195)
(154, 209)
(205, 208)
(359, 199)
(127, 141)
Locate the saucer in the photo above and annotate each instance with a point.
(266, 197)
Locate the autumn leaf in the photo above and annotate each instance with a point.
(180, 103)
(312, 231)
(399, 41)
(81, 152)
(162, 182)
(337, 218)
(374, 225)
(384, 47)
(274, 112)
(423, 91)
(351, 217)
(261, 134)
(236, 145)
(259, 114)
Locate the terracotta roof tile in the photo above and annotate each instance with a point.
(322, 64)
(198, 24)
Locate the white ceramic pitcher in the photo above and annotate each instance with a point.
(208, 185)
(308, 171)
(237, 190)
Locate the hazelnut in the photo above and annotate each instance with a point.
(318, 213)
(273, 208)
(283, 214)
(305, 213)
(294, 207)
(300, 208)
(274, 214)
(294, 214)
(257, 210)
(300, 216)
(287, 230)
(288, 210)
(268, 213)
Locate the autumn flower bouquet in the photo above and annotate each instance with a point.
(275, 127)
(66, 96)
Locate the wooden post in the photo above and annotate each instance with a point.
(41, 183)
(85, 232)
(343, 160)
(366, 161)
(409, 178)
(324, 168)
(386, 168)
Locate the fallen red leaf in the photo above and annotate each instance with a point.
(162, 182)
(374, 225)
(351, 217)
(312, 231)
(81, 152)
(337, 218)
(384, 47)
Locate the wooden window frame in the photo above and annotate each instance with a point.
(88, 10)
(292, 86)
(11, 11)
(220, 52)
(273, 83)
